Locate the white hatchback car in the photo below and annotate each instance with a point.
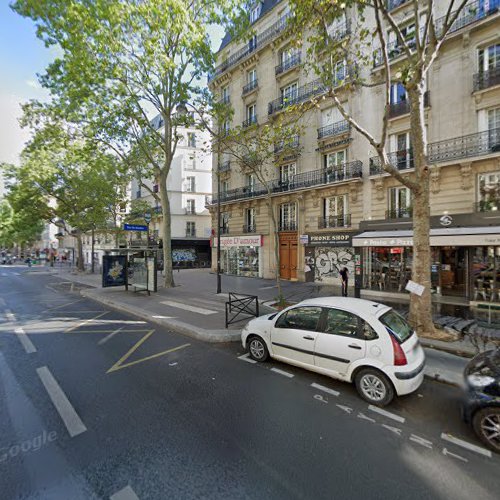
(354, 340)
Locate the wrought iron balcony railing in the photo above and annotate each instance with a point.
(249, 228)
(306, 92)
(487, 206)
(251, 85)
(287, 225)
(394, 49)
(340, 173)
(481, 143)
(334, 129)
(292, 144)
(392, 4)
(225, 166)
(260, 41)
(402, 160)
(403, 107)
(487, 79)
(334, 221)
(399, 213)
(252, 120)
(288, 63)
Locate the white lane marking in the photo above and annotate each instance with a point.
(246, 358)
(387, 414)
(282, 372)
(268, 287)
(421, 441)
(466, 445)
(187, 307)
(163, 317)
(71, 420)
(83, 323)
(126, 494)
(110, 336)
(345, 408)
(319, 397)
(325, 389)
(362, 416)
(392, 429)
(446, 453)
(25, 341)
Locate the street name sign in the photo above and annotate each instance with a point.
(134, 227)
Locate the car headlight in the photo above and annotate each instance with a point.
(480, 381)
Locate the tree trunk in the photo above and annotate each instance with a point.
(79, 246)
(167, 227)
(420, 306)
(276, 248)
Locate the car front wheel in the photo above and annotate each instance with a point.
(486, 423)
(258, 349)
(374, 387)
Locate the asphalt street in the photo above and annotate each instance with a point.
(98, 404)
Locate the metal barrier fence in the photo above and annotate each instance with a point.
(242, 305)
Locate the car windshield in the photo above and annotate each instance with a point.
(396, 325)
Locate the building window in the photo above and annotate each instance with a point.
(288, 217)
(488, 191)
(398, 93)
(255, 12)
(226, 126)
(251, 113)
(191, 139)
(489, 58)
(190, 184)
(190, 207)
(250, 182)
(402, 150)
(225, 95)
(252, 76)
(399, 203)
(224, 187)
(190, 228)
(224, 223)
(335, 159)
(249, 220)
(289, 93)
(340, 72)
(335, 211)
(252, 43)
(287, 172)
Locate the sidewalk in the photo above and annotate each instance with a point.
(193, 308)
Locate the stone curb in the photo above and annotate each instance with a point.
(449, 350)
(213, 336)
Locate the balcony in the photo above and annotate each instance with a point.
(394, 50)
(252, 120)
(291, 144)
(261, 40)
(287, 225)
(252, 85)
(334, 129)
(403, 107)
(306, 92)
(399, 213)
(402, 160)
(487, 79)
(487, 206)
(334, 221)
(393, 4)
(249, 228)
(225, 166)
(341, 173)
(287, 64)
(481, 143)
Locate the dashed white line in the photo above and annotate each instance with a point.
(110, 336)
(466, 445)
(454, 455)
(71, 420)
(246, 357)
(187, 307)
(126, 494)
(421, 441)
(325, 389)
(282, 372)
(387, 414)
(25, 341)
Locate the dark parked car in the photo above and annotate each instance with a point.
(481, 407)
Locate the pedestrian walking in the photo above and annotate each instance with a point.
(344, 274)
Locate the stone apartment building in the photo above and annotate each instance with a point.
(189, 184)
(333, 201)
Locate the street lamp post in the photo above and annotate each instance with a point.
(92, 267)
(219, 285)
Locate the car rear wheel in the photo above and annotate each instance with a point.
(486, 424)
(373, 386)
(258, 349)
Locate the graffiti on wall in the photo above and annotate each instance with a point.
(183, 254)
(328, 261)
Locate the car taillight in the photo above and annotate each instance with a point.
(399, 354)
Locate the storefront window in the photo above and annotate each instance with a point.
(486, 273)
(388, 268)
(241, 261)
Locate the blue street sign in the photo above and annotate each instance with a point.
(134, 227)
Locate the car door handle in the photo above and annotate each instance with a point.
(308, 337)
(354, 346)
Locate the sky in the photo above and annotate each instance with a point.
(22, 57)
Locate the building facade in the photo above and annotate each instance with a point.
(189, 187)
(334, 203)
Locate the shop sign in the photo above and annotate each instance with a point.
(239, 241)
(304, 239)
(385, 242)
(446, 220)
(331, 239)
